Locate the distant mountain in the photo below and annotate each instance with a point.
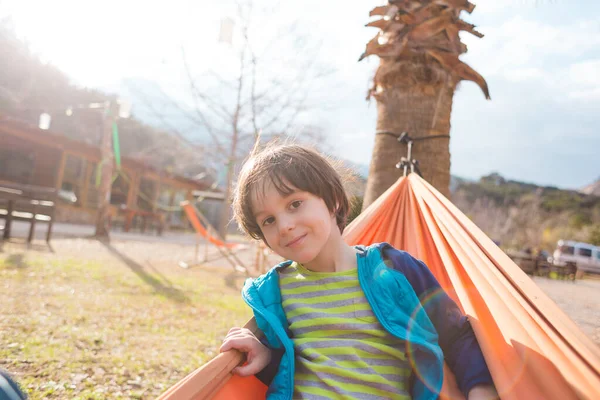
(361, 170)
(156, 108)
(520, 215)
(456, 181)
(30, 87)
(592, 188)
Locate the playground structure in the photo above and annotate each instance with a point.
(207, 233)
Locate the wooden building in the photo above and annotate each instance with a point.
(29, 155)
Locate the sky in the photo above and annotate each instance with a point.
(541, 59)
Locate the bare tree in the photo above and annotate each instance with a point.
(270, 84)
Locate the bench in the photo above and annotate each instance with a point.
(27, 203)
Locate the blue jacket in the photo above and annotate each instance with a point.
(394, 284)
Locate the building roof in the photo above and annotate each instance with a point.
(56, 140)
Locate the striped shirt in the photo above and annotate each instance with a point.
(342, 351)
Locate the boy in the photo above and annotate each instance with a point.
(341, 321)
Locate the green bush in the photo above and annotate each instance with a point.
(579, 220)
(594, 237)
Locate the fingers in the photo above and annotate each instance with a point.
(240, 339)
(256, 362)
(232, 340)
(233, 343)
(247, 370)
(239, 332)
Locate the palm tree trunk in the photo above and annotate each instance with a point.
(421, 109)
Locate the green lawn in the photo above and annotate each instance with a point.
(95, 330)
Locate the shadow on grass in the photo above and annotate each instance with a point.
(166, 290)
(234, 280)
(15, 261)
(157, 272)
(45, 247)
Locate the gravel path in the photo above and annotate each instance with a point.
(580, 300)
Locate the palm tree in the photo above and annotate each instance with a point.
(418, 47)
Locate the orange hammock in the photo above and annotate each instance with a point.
(533, 350)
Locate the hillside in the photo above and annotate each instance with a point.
(515, 214)
(592, 188)
(519, 215)
(29, 87)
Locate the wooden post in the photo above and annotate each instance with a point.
(85, 187)
(32, 226)
(107, 160)
(132, 190)
(8, 222)
(205, 249)
(156, 194)
(61, 170)
(169, 212)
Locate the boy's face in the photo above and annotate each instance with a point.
(297, 226)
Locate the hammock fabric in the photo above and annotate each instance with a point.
(533, 350)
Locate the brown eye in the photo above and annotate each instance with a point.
(295, 204)
(268, 221)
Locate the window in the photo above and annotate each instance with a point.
(119, 189)
(164, 198)
(570, 250)
(145, 200)
(584, 252)
(598, 254)
(16, 166)
(177, 217)
(73, 176)
(93, 184)
(74, 169)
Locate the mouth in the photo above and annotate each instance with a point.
(296, 241)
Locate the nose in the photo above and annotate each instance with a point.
(286, 224)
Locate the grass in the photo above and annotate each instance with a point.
(72, 329)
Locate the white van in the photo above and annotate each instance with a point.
(584, 255)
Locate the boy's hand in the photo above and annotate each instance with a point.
(258, 355)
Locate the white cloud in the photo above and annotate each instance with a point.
(524, 74)
(585, 94)
(522, 42)
(495, 6)
(586, 72)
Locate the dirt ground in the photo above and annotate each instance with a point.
(159, 304)
(580, 300)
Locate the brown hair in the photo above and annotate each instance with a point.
(288, 167)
